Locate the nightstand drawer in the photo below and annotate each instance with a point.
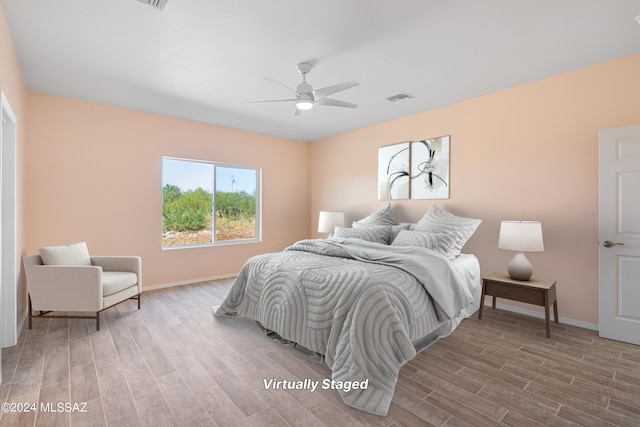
(515, 293)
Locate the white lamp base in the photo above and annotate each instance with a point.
(519, 267)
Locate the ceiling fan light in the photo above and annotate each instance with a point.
(304, 104)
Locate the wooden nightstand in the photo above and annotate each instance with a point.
(536, 291)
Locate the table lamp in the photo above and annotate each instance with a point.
(520, 236)
(328, 221)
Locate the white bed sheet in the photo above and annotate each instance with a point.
(468, 267)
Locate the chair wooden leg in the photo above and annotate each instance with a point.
(98, 321)
(139, 298)
(30, 312)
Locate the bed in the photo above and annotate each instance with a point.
(367, 305)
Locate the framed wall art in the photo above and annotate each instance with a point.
(393, 171)
(430, 168)
(414, 170)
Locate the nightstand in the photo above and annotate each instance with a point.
(536, 291)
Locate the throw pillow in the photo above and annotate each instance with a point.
(439, 242)
(383, 216)
(377, 234)
(73, 254)
(437, 220)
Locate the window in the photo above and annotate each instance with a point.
(206, 203)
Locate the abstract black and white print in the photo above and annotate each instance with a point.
(430, 168)
(393, 171)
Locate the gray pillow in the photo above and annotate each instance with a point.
(402, 226)
(383, 216)
(378, 234)
(73, 254)
(395, 229)
(440, 221)
(439, 242)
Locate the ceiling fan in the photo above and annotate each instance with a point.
(307, 97)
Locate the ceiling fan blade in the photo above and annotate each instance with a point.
(335, 103)
(282, 84)
(298, 112)
(271, 100)
(330, 90)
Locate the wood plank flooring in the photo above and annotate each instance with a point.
(172, 364)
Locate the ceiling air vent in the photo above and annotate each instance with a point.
(400, 97)
(156, 4)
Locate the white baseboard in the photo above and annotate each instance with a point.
(572, 322)
(187, 282)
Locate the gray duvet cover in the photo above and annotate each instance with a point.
(360, 304)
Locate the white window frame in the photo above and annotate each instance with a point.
(258, 197)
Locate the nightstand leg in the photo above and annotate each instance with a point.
(493, 304)
(555, 312)
(481, 302)
(547, 320)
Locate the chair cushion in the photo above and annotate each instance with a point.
(73, 254)
(116, 281)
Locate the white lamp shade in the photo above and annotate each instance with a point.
(328, 221)
(521, 236)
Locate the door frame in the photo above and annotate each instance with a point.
(8, 224)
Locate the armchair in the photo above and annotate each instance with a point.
(67, 279)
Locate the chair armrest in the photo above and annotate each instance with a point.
(65, 288)
(132, 264)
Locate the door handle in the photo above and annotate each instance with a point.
(609, 243)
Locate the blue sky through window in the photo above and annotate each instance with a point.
(236, 179)
(189, 175)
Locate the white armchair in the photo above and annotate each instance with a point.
(67, 279)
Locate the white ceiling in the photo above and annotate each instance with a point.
(201, 59)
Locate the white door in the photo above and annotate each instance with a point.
(619, 233)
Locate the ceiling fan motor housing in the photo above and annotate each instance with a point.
(304, 88)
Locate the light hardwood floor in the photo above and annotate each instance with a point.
(172, 363)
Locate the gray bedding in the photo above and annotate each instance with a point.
(362, 305)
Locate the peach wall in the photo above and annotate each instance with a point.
(94, 172)
(91, 172)
(527, 153)
(11, 79)
(13, 85)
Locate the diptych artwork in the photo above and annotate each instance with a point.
(415, 170)
(393, 171)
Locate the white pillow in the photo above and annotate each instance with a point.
(440, 221)
(73, 254)
(440, 242)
